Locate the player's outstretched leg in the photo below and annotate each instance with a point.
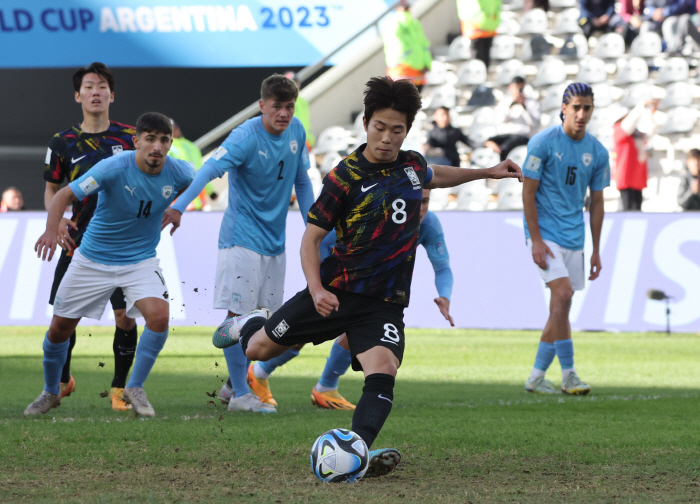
(570, 382)
(54, 359)
(67, 380)
(146, 354)
(537, 383)
(124, 348)
(325, 393)
(228, 333)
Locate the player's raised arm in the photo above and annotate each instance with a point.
(324, 301)
(202, 177)
(47, 242)
(451, 176)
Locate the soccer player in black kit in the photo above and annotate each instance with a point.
(71, 153)
(372, 199)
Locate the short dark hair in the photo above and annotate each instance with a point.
(387, 93)
(446, 109)
(100, 69)
(693, 153)
(518, 80)
(153, 122)
(575, 89)
(279, 87)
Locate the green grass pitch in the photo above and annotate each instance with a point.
(465, 427)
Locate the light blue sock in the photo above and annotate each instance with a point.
(280, 360)
(545, 355)
(150, 345)
(565, 352)
(237, 364)
(337, 364)
(55, 355)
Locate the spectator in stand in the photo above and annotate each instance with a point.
(301, 112)
(535, 4)
(689, 190)
(597, 15)
(679, 27)
(631, 12)
(187, 151)
(631, 150)
(518, 118)
(441, 145)
(657, 11)
(479, 19)
(12, 200)
(406, 49)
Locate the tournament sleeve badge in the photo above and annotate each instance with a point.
(533, 164)
(88, 185)
(219, 153)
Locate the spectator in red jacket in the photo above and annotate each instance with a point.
(631, 12)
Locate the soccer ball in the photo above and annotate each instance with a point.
(339, 455)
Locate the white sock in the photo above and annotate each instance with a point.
(259, 372)
(565, 373)
(321, 388)
(536, 373)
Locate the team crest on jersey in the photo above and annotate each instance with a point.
(587, 158)
(294, 146)
(281, 328)
(413, 177)
(116, 149)
(167, 191)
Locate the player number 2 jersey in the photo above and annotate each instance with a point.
(375, 210)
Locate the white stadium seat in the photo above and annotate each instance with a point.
(604, 94)
(460, 49)
(552, 71)
(335, 138)
(518, 155)
(678, 94)
(509, 24)
(503, 47)
(330, 161)
(437, 75)
(442, 96)
(637, 93)
(592, 71)
(575, 47)
(646, 45)
(673, 70)
(473, 197)
(679, 120)
(567, 23)
(508, 70)
(633, 70)
(483, 157)
(562, 4)
(472, 73)
(535, 49)
(510, 197)
(534, 22)
(610, 46)
(553, 96)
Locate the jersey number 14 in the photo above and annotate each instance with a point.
(144, 211)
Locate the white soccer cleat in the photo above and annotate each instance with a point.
(225, 394)
(137, 398)
(43, 404)
(229, 332)
(574, 386)
(250, 402)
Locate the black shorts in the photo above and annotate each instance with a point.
(118, 300)
(368, 322)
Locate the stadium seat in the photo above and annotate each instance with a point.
(518, 155)
(513, 5)
(605, 94)
(509, 24)
(442, 96)
(678, 94)
(437, 75)
(562, 4)
(483, 157)
(503, 47)
(473, 197)
(439, 198)
(359, 125)
(330, 161)
(575, 47)
(508, 70)
(566, 22)
(472, 73)
(637, 93)
(460, 50)
(552, 97)
(482, 96)
(673, 70)
(679, 120)
(610, 46)
(631, 71)
(646, 45)
(592, 71)
(535, 49)
(510, 197)
(552, 71)
(533, 22)
(603, 132)
(335, 138)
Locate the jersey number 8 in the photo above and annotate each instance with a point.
(399, 215)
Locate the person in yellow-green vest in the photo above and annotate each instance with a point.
(406, 49)
(480, 19)
(188, 151)
(301, 112)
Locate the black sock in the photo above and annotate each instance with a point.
(65, 374)
(250, 328)
(124, 347)
(374, 406)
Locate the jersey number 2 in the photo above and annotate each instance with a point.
(144, 210)
(280, 177)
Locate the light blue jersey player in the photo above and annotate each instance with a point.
(562, 163)
(325, 394)
(117, 250)
(265, 158)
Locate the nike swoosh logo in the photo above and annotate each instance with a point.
(385, 398)
(365, 189)
(76, 160)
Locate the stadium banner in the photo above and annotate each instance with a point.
(496, 286)
(178, 33)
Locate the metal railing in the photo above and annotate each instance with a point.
(251, 110)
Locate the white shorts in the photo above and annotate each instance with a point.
(87, 286)
(246, 280)
(566, 263)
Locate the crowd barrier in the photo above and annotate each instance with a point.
(497, 285)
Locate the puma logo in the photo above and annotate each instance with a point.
(130, 189)
(560, 156)
(263, 153)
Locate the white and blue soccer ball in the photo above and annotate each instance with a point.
(339, 455)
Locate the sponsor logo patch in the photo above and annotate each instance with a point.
(533, 164)
(88, 185)
(587, 158)
(167, 191)
(281, 328)
(413, 177)
(294, 146)
(219, 153)
(116, 149)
